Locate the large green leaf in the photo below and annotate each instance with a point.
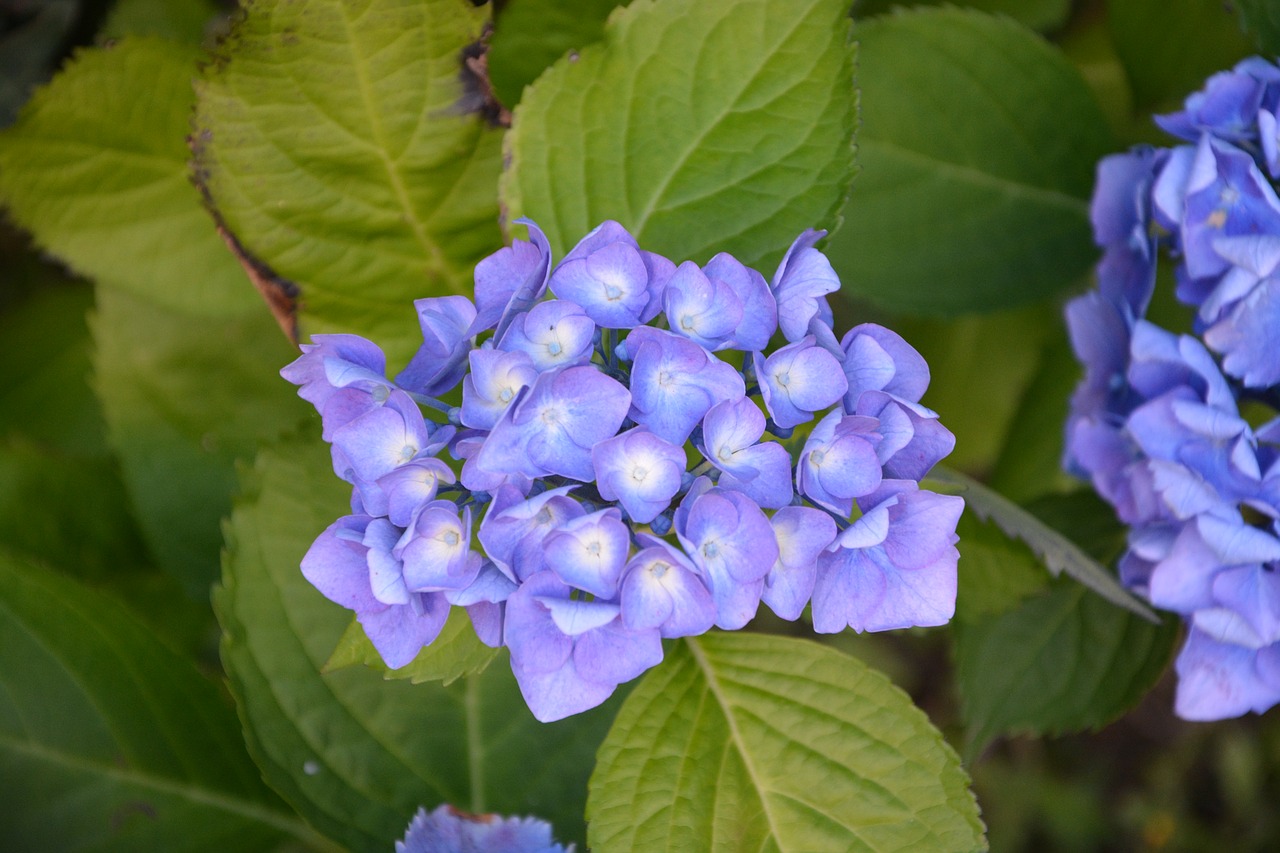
(183, 401)
(753, 742)
(1037, 14)
(995, 572)
(701, 127)
(341, 145)
(532, 34)
(354, 753)
(99, 176)
(1262, 20)
(1063, 661)
(109, 741)
(977, 146)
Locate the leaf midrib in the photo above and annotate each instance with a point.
(191, 793)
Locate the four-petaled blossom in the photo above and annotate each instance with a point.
(620, 483)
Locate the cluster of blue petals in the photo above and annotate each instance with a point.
(631, 461)
(447, 830)
(1179, 432)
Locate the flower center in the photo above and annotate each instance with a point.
(816, 457)
(639, 472)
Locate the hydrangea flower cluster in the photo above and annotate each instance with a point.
(631, 462)
(1179, 432)
(448, 830)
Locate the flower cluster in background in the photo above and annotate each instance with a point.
(1180, 432)
(636, 463)
(447, 830)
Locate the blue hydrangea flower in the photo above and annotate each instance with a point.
(582, 460)
(1156, 423)
(447, 830)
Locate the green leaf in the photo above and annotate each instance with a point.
(1059, 553)
(530, 35)
(340, 144)
(180, 20)
(1037, 14)
(1062, 661)
(453, 654)
(99, 176)
(184, 401)
(1262, 20)
(353, 753)
(44, 363)
(701, 127)
(995, 572)
(755, 742)
(978, 145)
(109, 741)
(1169, 47)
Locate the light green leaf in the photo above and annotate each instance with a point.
(1062, 661)
(184, 401)
(1059, 553)
(340, 144)
(109, 741)
(1037, 14)
(453, 654)
(532, 34)
(353, 753)
(994, 573)
(978, 145)
(701, 127)
(1168, 47)
(99, 176)
(753, 742)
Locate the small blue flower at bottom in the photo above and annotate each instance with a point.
(448, 830)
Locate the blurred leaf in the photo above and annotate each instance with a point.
(44, 364)
(754, 742)
(1169, 47)
(183, 401)
(343, 147)
(453, 654)
(1030, 463)
(532, 34)
(1037, 14)
(1262, 21)
(995, 571)
(180, 20)
(978, 145)
(980, 365)
(701, 127)
(1062, 661)
(354, 753)
(31, 39)
(109, 741)
(1059, 553)
(99, 176)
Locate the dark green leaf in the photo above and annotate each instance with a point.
(995, 572)
(701, 127)
(1168, 47)
(532, 34)
(455, 653)
(343, 146)
(99, 176)
(1262, 20)
(1059, 553)
(354, 753)
(977, 145)
(1037, 14)
(180, 20)
(1062, 661)
(184, 401)
(109, 741)
(752, 742)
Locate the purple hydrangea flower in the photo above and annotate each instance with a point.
(640, 471)
(618, 284)
(674, 382)
(800, 286)
(799, 380)
(447, 830)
